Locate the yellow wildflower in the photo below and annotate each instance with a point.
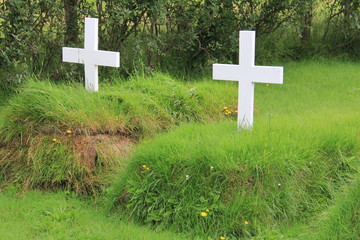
(203, 214)
(222, 238)
(145, 167)
(225, 108)
(246, 222)
(69, 131)
(207, 210)
(54, 139)
(267, 84)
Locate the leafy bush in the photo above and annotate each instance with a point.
(177, 36)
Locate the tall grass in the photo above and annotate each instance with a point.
(304, 146)
(138, 107)
(265, 177)
(62, 136)
(342, 221)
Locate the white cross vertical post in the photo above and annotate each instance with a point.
(246, 73)
(90, 56)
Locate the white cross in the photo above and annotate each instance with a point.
(246, 73)
(90, 56)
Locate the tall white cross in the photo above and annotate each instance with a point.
(90, 56)
(246, 73)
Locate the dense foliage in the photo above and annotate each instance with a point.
(174, 35)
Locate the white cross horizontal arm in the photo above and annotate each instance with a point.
(100, 58)
(260, 74)
(73, 55)
(227, 72)
(103, 58)
(265, 74)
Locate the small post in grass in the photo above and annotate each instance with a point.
(90, 56)
(246, 73)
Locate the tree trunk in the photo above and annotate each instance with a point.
(71, 21)
(347, 11)
(306, 21)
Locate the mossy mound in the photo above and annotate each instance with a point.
(92, 128)
(216, 181)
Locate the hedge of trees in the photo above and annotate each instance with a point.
(172, 35)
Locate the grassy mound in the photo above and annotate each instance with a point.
(303, 148)
(62, 136)
(342, 221)
(216, 181)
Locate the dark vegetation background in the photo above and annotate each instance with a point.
(177, 36)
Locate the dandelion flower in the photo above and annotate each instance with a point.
(69, 131)
(225, 108)
(246, 222)
(222, 238)
(203, 214)
(207, 210)
(54, 139)
(267, 84)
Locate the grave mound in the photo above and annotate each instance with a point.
(215, 181)
(57, 135)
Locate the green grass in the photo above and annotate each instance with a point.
(102, 124)
(342, 220)
(37, 215)
(138, 107)
(304, 146)
(266, 177)
(295, 176)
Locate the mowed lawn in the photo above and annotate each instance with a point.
(326, 93)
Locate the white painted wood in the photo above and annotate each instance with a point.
(246, 73)
(90, 56)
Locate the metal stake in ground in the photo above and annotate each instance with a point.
(90, 56)
(246, 73)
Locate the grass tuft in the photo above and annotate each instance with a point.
(342, 220)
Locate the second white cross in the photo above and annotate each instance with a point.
(90, 56)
